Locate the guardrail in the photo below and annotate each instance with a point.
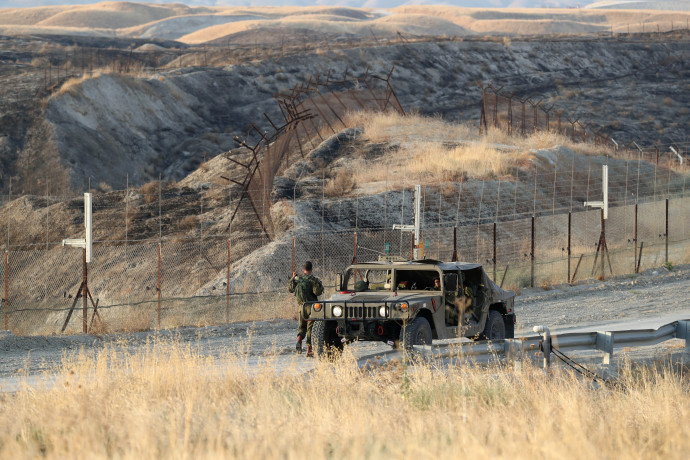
(545, 342)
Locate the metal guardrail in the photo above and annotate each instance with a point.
(519, 348)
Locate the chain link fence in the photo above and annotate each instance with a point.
(167, 256)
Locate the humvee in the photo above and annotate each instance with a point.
(412, 303)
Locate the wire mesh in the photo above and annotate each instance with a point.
(180, 240)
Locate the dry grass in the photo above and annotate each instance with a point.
(435, 150)
(150, 191)
(171, 401)
(342, 184)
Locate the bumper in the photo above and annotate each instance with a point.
(361, 321)
(367, 329)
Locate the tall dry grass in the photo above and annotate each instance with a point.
(429, 149)
(171, 401)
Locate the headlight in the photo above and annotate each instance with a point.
(403, 306)
(382, 311)
(337, 311)
(317, 307)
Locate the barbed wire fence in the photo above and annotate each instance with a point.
(167, 251)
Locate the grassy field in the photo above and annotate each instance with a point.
(171, 401)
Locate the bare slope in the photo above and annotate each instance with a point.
(108, 127)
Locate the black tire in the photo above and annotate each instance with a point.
(418, 332)
(495, 328)
(509, 322)
(324, 340)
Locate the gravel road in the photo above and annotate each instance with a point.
(647, 300)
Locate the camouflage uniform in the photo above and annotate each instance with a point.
(306, 288)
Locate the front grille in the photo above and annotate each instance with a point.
(361, 312)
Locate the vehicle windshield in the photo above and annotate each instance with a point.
(416, 280)
(368, 280)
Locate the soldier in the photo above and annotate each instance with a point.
(306, 288)
(437, 285)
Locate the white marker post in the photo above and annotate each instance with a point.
(604, 206)
(86, 241)
(86, 245)
(680, 158)
(417, 252)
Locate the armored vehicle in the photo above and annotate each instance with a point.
(412, 303)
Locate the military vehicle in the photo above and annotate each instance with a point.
(412, 303)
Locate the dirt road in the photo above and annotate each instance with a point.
(643, 301)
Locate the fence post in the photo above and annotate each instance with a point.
(159, 285)
(455, 244)
(494, 259)
(413, 248)
(7, 287)
(666, 231)
(354, 254)
(635, 241)
(531, 255)
(570, 219)
(227, 288)
(639, 258)
(603, 245)
(84, 293)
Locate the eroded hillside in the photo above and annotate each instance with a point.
(112, 127)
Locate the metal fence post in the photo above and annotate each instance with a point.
(7, 288)
(635, 242)
(293, 254)
(84, 294)
(227, 289)
(354, 254)
(494, 258)
(159, 284)
(531, 255)
(666, 234)
(570, 220)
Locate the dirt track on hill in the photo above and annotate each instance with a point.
(642, 301)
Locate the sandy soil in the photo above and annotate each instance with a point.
(644, 301)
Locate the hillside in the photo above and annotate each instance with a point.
(357, 180)
(201, 24)
(113, 127)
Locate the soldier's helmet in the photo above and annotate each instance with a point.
(361, 286)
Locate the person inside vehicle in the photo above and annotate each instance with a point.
(437, 285)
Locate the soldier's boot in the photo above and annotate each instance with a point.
(310, 352)
(298, 347)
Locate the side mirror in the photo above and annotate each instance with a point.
(450, 281)
(339, 281)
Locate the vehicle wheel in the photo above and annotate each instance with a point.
(495, 328)
(418, 332)
(509, 322)
(324, 340)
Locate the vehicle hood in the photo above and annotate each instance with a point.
(386, 296)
